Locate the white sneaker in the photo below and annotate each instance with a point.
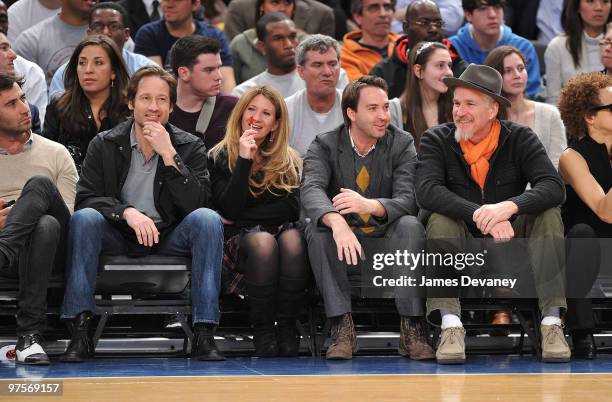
(29, 350)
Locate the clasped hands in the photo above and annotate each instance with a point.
(494, 220)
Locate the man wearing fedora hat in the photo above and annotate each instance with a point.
(472, 175)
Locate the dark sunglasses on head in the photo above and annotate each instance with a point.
(604, 107)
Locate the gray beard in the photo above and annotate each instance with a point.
(462, 136)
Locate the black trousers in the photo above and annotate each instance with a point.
(33, 241)
(583, 264)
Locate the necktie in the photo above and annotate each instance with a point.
(155, 13)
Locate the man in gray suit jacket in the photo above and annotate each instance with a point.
(309, 16)
(358, 184)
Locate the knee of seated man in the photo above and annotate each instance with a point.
(40, 182)
(409, 226)
(441, 226)
(206, 217)
(86, 217)
(549, 222)
(49, 227)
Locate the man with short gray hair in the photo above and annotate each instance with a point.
(277, 39)
(316, 108)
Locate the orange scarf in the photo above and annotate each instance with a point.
(478, 155)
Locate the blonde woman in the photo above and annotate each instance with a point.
(255, 184)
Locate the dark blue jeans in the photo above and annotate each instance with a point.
(199, 235)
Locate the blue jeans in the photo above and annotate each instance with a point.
(199, 235)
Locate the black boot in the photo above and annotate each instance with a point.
(288, 338)
(204, 346)
(584, 345)
(263, 315)
(264, 340)
(291, 298)
(81, 347)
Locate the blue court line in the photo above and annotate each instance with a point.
(152, 367)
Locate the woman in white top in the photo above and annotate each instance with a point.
(542, 118)
(577, 50)
(426, 101)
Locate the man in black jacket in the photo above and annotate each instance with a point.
(422, 22)
(142, 190)
(472, 176)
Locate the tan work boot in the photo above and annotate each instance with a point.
(554, 346)
(451, 349)
(343, 339)
(412, 342)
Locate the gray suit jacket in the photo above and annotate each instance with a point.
(328, 166)
(310, 16)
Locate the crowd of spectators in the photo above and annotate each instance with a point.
(270, 140)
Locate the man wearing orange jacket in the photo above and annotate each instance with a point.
(364, 48)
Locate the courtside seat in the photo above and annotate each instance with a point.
(143, 276)
(150, 285)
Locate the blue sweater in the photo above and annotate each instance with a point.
(470, 52)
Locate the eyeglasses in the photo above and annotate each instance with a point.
(424, 22)
(605, 43)
(607, 107)
(98, 27)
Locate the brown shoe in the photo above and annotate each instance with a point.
(554, 346)
(412, 341)
(501, 317)
(343, 339)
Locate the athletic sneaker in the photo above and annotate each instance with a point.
(30, 351)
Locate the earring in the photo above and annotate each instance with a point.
(112, 83)
(271, 137)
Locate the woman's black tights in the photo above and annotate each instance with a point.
(276, 273)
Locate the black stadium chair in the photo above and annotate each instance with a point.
(147, 285)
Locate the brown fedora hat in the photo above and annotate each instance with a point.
(481, 78)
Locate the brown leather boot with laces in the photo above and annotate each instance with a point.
(343, 339)
(412, 342)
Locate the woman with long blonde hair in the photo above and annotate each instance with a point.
(255, 179)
